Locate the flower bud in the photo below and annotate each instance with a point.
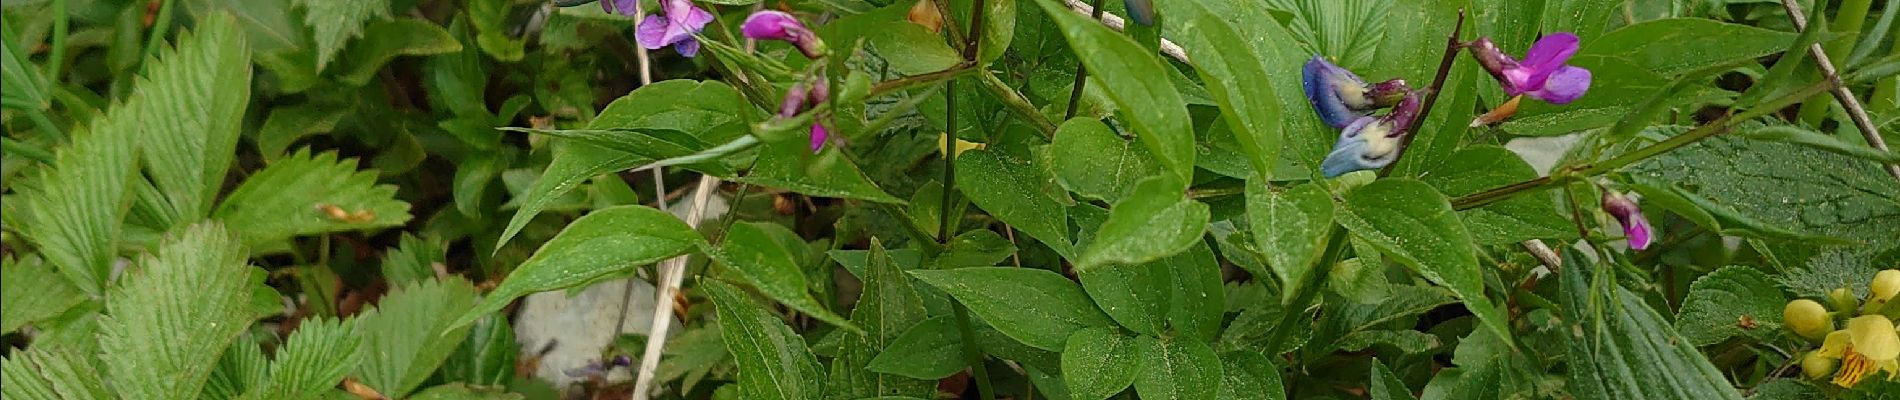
(1817, 366)
(819, 135)
(1807, 318)
(1886, 285)
(795, 99)
(925, 14)
(1842, 299)
(1635, 226)
(778, 25)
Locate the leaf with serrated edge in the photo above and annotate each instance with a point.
(334, 22)
(167, 323)
(773, 360)
(294, 195)
(409, 334)
(33, 292)
(1731, 301)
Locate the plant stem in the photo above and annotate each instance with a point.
(1855, 111)
(1848, 18)
(56, 56)
(908, 82)
(972, 44)
(1081, 74)
(23, 149)
(160, 25)
(44, 124)
(1452, 47)
(1500, 193)
(1017, 103)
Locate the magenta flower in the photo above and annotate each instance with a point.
(1341, 97)
(1630, 216)
(1371, 142)
(802, 96)
(778, 25)
(1542, 73)
(819, 135)
(676, 26)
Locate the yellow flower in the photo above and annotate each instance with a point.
(1807, 318)
(1869, 344)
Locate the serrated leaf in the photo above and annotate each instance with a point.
(412, 260)
(1620, 348)
(335, 22)
(602, 243)
(1829, 270)
(167, 323)
(1415, 225)
(1786, 389)
(1099, 362)
(488, 356)
(1783, 187)
(51, 372)
(1406, 341)
(1295, 223)
(1520, 218)
(1177, 369)
(410, 333)
(1156, 221)
(33, 292)
(242, 369)
(1128, 71)
(287, 124)
(1249, 375)
(463, 391)
(1729, 302)
(762, 255)
(1034, 306)
(1676, 45)
(1010, 188)
(888, 307)
(773, 360)
(1225, 38)
(191, 109)
(293, 197)
(386, 40)
(314, 359)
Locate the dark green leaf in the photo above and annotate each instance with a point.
(1771, 186)
(1177, 369)
(1674, 46)
(1010, 189)
(1620, 348)
(1225, 38)
(1732, 301)
(773, 361)
(334, 22)
(911, 50)
(1034, 306)
(411, 332)
(1128, 71)
(1386, 385)
(1199, 298)
(1524, 217)
(386, 40)
(602, 243)
(1154, 222)
(1095, 163)
(762, 254)
(1137, 296)
(1099, 362)
(1247, 375)
(1415, 225)
(487, 358)
(933, 349)
(790, 165)
(1295, 223)
(888, 308)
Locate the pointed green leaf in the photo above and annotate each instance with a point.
(33, 292)
(761, 253)
(1520, 218)
(1099, 362)
(605, 242)
(1010, 189)
(790, 165)
(1034, 306)
(1386, 385)
(1295, 224)
(191, 109)
(1200, 299)
(1719, 302)
(931, 350)
(20, 81)
(488, 356)
(1177, 369)
(294, 196)
(167, 323)
(1415, 225)
(314, 359)
(409, 334)
(1620, 348)
(335, 22)
(1784, 187)
(1098, 164)
(1676, 45)
(1156, 221)
(773, 360)
(1127, 71)
(1224, 37)
(386, 40)
(50, 372)
(888, 308)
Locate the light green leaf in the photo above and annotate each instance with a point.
(1137, 296)
(294, 196)
(51, 372)
(412, 260)
(1154, 222)
(911, 50)
(20, 81)
(1820, 141)
(386, 40)
(410, 332)
(1034, 306)
(1719, 302)
(269, 25)
(1586, 18)
(1295, 223)
(1386, 385)
(1200, 300)
(335, 22)
(1853, 269)
(1348, 31)
(973, 248)
(931, 350)
(167, 323)
(605, 242)
(1783, 187)
(1413, 39)
(1676, 45)
(773, 361)
(888, 307)
(1620, 348)
(1010, 188)
(314, 359)
(762, 254)
(1247, 375)
(462, 391)
(790, 165)
(490, 18)
(1099, 362)
(1523, 217)
(242, 369)
(1128, 71)
(1095, 163)
(1415, 225)
(191, 108)
(1224, 38)
(1177, 369)
(1406, 341)
(33, 292)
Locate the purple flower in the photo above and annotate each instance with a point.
(1340, 97)
(1542, 73)
(1630, 216)
(1141, 11)
(778, 25)
(795, 99)
(676, 27)
(819, 135)
(1371, 142)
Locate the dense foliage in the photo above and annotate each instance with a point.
(899, 199)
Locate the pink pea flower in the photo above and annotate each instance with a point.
(1542, 73)
(674, 26)
(778, 25)
(1631, 217)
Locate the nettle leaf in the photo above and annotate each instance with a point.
(762, 254)
(334, 22)
(773, 360)
(887, 309)
(1128, 71)
(33, 292)
(410, 333)
(1783, 187)
(167, 323)
(1415, 225)
(302, 195)
(1099, 362)
(711, 112)
(1732, 301)
(1829, 270)
(1177, 368)
(1620, 348)
(1224, 38)
(1034, 306)
(314, 359)
(605, 242)
(51, 372)
(386, 40)
(1676, 45)
(1247, 375)
(1156, 221)
(1523, 217)
(1294, 222)
(1010, 189)
(1098, 164)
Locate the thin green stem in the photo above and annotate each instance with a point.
(56, 57)
(1452, 47)
(1290, 313)
(27, 150)
(44, 124)
(161, 24)
(1081, 74)
(908, 82)
(1019, 104)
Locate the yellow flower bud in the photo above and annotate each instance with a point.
(1842, 299)
(1807, 318)
(1886, 285)
(1816, 366)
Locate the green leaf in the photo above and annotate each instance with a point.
(190, 109)
(1099, 362)
(1677, 45)
(34, 292)
(1034, 306)
(1128, 71)
(487, 357)
(1010, 188)
(1247, 375)
(1415, 225)
(1154, 222)
(773, 361)
(888, 307)
(410, 333)
(293, 197)
(1348, 31)
(462, 391)
(1620, 348)
(269, 25)
(931, 350)
(1386, 385)
(710, 111)
(51, 372)
(490, 18)
(243, 369)
(412, 260)
(1223, 36)
(1137, 296)
(167, 323)
(1719, 302)
(20, 81)
(1414, 39)
(1820, 141)
(912, 50)
(605, 242)
(790, 165)
(1442, 133)
(762, 254)
(386, 40)
(1098, 164)
(287, 124)
(1520, 218)
(1829, 270)
(1295, 223)
(1200, 300)
(1783, 187)
(1586, 18)
(1406, 341)
(1177, 368)
(334, 22)
(1786, 389)
(314, 359)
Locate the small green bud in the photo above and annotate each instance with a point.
(1807, 318)
(1818, 366)
(1842, 299)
